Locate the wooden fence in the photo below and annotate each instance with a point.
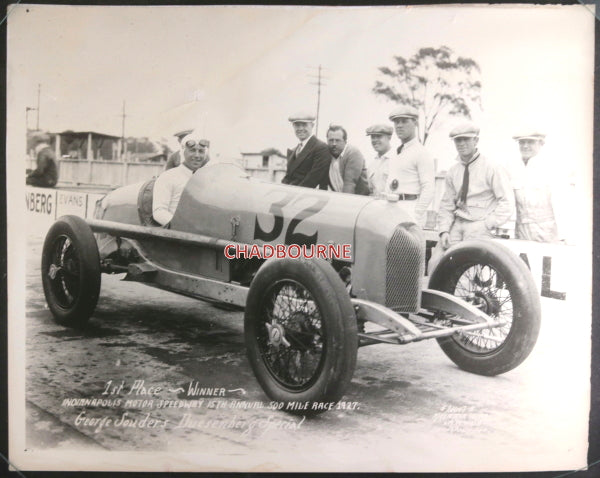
(105, 173)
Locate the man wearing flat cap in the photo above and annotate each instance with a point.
(412, 172)
(170, 184)
(175, 157)
(46, 173)
(308, 163)
(539, 191)
(377, 168)
(477, 195)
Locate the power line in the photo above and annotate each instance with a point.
(123, 115)
(27, 110)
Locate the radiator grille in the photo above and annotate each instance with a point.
(405, 268)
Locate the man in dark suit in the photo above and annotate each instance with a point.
(308, 163)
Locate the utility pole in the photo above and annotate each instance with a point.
(27, 110)
(319, 77)
(37, 124)
(123, 132)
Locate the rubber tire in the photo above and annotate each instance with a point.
(525, 298)
(338, 318)
(80, 234)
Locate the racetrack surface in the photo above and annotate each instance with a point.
(414, 409)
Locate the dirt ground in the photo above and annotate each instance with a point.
(408, 407)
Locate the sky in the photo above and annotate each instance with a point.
(237, 73)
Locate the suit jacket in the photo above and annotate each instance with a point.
(311, 167)
(353, 171)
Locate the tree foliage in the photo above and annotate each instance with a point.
(435, 81)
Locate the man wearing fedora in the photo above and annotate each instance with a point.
(412, 172)
(477, 192)
(377, 168)
(46, 173)
(308, 163)
(539, 192)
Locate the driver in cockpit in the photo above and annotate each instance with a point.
(170, 184)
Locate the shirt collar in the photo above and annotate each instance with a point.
(410, 143)
(184, 169)
(384, 155)
(303, 143)
(342, 153)
(533, 159)
(475, 157)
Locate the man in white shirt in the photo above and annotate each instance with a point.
(170, 184)
(412, 172)
(476, 196)
(539, 191)
(377, 169)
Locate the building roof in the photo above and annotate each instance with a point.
(266, 152)
(84, 135)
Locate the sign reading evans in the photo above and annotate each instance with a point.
(71, 202)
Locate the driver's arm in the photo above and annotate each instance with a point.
(161, 199)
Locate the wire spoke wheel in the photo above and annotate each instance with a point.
(485, 288)
(291, 341)
(492, 278)
(300, 331)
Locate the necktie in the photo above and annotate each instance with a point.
(465, 185)
(399, 149)
(298, 148)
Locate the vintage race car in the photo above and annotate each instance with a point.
(304, 318)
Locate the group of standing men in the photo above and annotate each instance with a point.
(339, 166)
(479, 194)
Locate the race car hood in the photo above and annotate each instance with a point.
(223, 201)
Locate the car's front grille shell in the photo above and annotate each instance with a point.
(404, 269)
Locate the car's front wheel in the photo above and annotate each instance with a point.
(71, 270)
(494, 279)
(301, 336)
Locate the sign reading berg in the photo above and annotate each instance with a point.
(40, 201)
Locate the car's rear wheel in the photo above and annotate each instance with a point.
(301, 335)
(494, 279)
(71, 270)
